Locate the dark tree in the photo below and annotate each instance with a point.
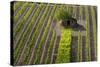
(65, 17)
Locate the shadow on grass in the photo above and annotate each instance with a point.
(78, 27)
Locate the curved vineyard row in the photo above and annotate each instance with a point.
(28, 29)
(38, 38)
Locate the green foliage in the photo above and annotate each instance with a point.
(62, 14)
(64, 47)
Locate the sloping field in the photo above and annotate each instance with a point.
(38, 40)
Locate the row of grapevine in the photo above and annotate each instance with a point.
(94, 17)
(21, 27)
(17, 5)
(36, 39)
(28, 30)
(17, 9)
(20, 39)
(31, 38)
(83, 38)
(91, 35)
(80, 36)
(47, 31)
(39, 30)
(49, 51)
(19, 24)
(87, 36)
(41, 42)
(85, 50)
(20, 12)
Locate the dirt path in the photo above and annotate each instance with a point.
(56, 49)
(74, 45)
(56, 43)
(74, 42)
(91, 35)
(95, 11)
(83, 48)
(53, 50)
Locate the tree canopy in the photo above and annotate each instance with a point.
(63, 14)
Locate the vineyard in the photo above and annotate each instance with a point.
(39, 39)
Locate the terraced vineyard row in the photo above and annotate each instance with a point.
(24, 41)
(38, 39)
(83, 44)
